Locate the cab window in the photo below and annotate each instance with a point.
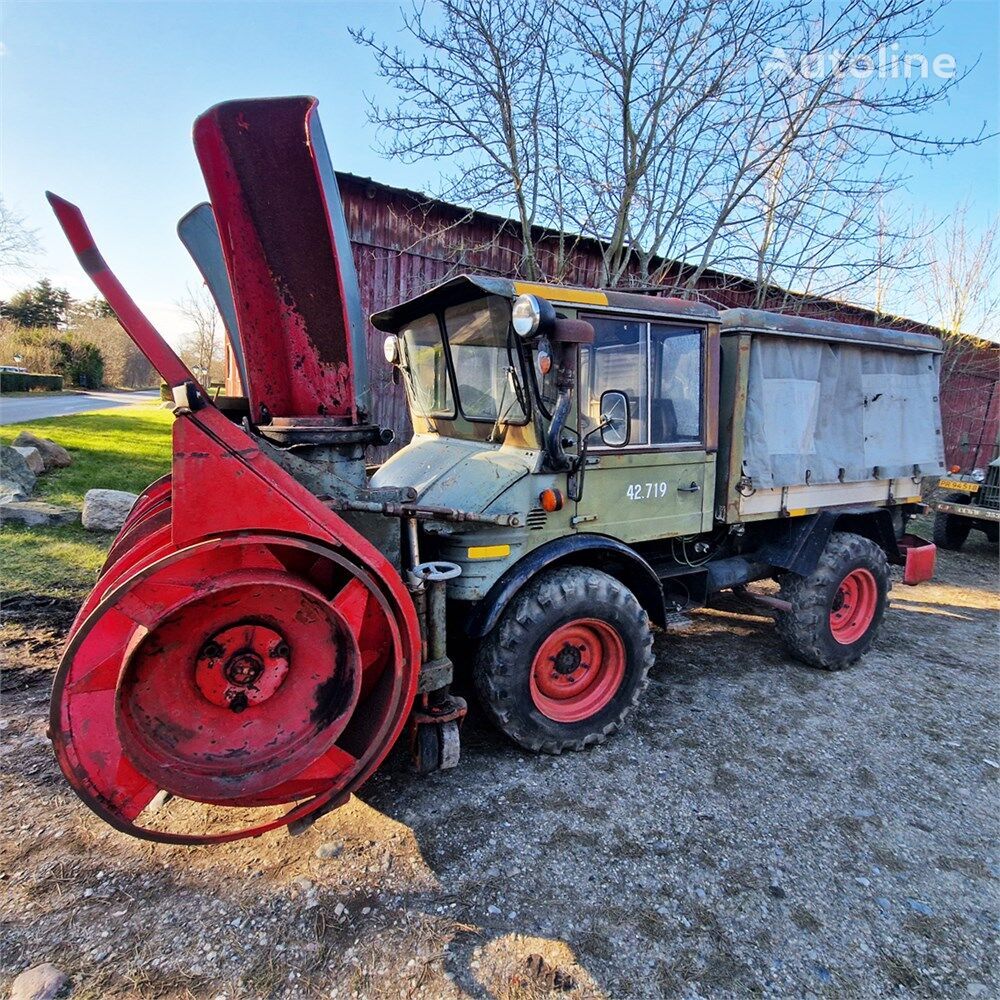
(487, 371)
(659, 368)
(675, 409)
(426, 368)
(616, 360)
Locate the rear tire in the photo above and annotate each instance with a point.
(837, 609)
(567, 661)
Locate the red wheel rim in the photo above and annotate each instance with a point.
(854, 606)
(577, 670)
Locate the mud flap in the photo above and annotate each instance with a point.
(921, 559)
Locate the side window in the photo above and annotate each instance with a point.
(618, 359)
(675, 409)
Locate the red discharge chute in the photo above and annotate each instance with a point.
(244, 646)
(284, 239)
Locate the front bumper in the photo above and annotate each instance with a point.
(968, 510)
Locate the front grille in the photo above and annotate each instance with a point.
(537, 519)
(989, 492)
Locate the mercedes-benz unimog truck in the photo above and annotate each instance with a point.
(585, 464)
(652, 452)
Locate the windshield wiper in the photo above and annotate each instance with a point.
(514, 385)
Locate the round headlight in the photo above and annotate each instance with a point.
(390, 348)
(526, 316)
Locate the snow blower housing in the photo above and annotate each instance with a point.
(584, 463)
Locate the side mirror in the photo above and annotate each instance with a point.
(616, 419)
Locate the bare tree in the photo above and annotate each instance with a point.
(480, 94)
(960, 292)
(203, 345)
(824, 226)
(663, 81)
(18, 243)
(750, 135)
(962, 289)
(824, 97)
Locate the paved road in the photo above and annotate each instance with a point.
(15, 409)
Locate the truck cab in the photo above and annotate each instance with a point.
(487, 436)
(970, 501)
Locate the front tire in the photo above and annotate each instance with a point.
(567, 662)
(950, 532)
(837, 609)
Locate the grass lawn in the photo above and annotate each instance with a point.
(121, 449)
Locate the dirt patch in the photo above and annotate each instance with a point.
(760, 829)
(31, 611)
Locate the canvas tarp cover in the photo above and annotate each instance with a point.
(825, 412)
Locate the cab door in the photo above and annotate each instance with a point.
(662, 482)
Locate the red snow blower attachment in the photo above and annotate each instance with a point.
(245, 645)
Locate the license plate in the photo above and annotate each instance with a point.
(960, 485)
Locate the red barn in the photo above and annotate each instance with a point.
(405, 242)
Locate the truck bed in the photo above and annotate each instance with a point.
(815, 414)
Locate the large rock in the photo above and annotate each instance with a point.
(41, 982)
(32, 457)
(16, 479)
(11, 491)
(37, 513)
(106, 510)
(53, 455)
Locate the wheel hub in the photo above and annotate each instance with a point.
(853, 607)
(568, 660)
(242, 665)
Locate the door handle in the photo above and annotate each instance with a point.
(693, 488)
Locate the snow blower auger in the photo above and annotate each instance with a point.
(245, 645)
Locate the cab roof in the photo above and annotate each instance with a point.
(466, 287)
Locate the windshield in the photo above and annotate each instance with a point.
(487, 370)
(426, 368)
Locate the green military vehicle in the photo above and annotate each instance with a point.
(636, 455)
(972, 502)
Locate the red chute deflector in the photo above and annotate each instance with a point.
(276, 202)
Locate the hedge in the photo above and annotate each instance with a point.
(25, 382)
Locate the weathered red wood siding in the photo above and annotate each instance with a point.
(970, 405)
(404, 243)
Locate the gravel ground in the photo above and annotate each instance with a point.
(761, 829)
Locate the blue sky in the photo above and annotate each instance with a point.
(97, 102)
